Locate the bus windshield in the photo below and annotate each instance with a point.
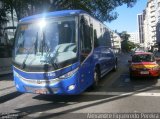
(46, 41)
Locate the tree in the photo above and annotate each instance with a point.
(3, 16)
(126, 45)
(124, 35)
(101, 9)
(20, 7)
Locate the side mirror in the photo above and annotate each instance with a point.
(158, 59)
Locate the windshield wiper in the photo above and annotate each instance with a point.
(28, 51)
(36, 44)
(47, 58)
(50, 60)
(25, 59)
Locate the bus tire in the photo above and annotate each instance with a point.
(115, 67)
(96, 78)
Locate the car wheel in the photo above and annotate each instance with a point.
(156, 77)
(131, 76)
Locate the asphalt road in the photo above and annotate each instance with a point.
(116, 93)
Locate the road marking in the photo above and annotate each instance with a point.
(88, 104)
(7, 88)
(148, 94)
(121, 85)
(127, 80)
(123, 94)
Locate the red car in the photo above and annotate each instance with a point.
(144, 64)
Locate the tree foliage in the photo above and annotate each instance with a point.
(20, 7)
(124, 35)
(126, 45)
(101, 9)
(3, 16)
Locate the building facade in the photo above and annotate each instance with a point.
(116, 42)
(140, 27)
(151, 15)
(134, 37)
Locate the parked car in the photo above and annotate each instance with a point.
(144, 64)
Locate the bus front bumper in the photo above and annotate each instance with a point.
(67, 86)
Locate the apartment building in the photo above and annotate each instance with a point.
(116, 42)
(140, 27)
(134, 37)
(150, 16)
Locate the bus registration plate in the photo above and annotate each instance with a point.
(41, 91)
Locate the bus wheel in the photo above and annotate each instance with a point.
(115, 67)
(96, 78)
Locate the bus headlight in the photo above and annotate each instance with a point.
(71, 87)
(69, 74)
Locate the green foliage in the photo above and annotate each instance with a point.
(126, 45)
(101, 9)
(20, 7)
(124, 35)
(3, 16)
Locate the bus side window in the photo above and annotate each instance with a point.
(91, 34)
(95, 39)
(86, 38)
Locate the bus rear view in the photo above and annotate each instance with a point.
(55, 54)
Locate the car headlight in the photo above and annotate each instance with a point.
(69, 74)
(155, 68)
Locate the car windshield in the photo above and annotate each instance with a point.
(143, 58)
(46, 41)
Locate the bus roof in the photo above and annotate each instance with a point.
(53, 14)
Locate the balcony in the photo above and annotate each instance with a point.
(152, 6)
(153, 21)
(153, 15)
(153, 10)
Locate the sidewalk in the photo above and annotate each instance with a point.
(6, 85)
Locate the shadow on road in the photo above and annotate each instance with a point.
(9, 96)
(121, 84)
(56, 102)
(6, 77)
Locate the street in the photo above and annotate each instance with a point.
(116, 93)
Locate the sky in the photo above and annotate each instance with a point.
(127, 19)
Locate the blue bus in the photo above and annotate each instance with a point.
(62, 52)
